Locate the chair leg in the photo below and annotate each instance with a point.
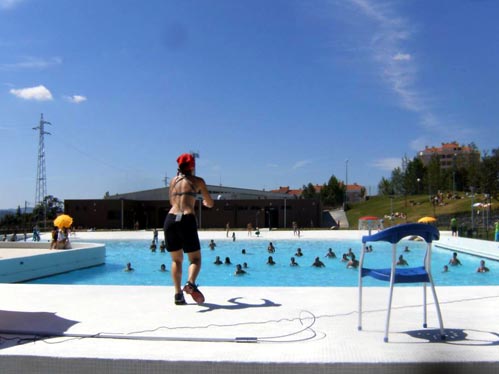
(425, 324)
(439, 313)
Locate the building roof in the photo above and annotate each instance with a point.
(449, 147)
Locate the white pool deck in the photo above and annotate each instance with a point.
(138, 329)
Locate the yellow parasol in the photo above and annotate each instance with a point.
(427, 220)
(63, 221)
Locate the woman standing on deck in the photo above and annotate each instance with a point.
(180, 227)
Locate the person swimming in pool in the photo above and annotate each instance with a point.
(239, 270)
(454, 261)
(318, 263)
(482, 268)
(330, 253)
(402, 261)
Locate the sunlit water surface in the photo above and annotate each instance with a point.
(147, 265)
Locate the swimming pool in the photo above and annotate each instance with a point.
(147, 264)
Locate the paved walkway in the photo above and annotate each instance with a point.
(110, 328)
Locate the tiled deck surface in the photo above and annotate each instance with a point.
(244, 330)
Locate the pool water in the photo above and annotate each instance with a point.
(147, 264)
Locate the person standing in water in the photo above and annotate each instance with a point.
(180, 227)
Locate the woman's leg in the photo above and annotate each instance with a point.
(177, 259)
(194, 266)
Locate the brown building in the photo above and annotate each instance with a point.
(355, 192)
(148, 209)
(450, 155)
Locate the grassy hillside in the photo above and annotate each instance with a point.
(414, 207)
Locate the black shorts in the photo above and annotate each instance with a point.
(182, 234)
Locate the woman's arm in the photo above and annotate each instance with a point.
(207, 200)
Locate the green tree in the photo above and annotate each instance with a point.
(385, 187)
(51, 205)
(332, 194)
(309, 192)
(397, 182)
(413, 177)
(489, 174)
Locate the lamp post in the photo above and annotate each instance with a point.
(454, 174)
(346, 186)
(472, 189)
(284, 212)
(391, 207)
(419, 181)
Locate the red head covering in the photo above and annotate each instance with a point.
(186, 162)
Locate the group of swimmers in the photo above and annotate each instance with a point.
(454, 261)
(129, 268)
(348, 257)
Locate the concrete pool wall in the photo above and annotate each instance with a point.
(23, 261)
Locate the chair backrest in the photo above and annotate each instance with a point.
(395, 233)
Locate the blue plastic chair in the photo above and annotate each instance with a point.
(393, 275)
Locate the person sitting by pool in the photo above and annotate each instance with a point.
(162, 247)
(53, 243)
(445, 269)
(402, 261)
(270, 261)
(227, 261)
(454, 261)
(212, 244)
(298, 253)
(293, 262)
(318, 263)
(482, 268)
(128, 267)
(218, 261)
(344, 258)
(63, 239)
(162, 268)
(257, 232)
(406, 249)
(239, 270)
(330, 253)
(271, 248)
(353, 263)
(153, 247)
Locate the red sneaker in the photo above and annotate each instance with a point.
(192, 289)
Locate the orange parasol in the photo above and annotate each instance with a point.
(63, 221)
(427, 220)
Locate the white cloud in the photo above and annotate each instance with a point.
(301, 164)
(390, 33)
(387, 164)
(402, 57)
(9, 4)
(32, 63)
(38, 93)
(76, 99)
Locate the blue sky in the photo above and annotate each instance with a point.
(269, 92)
